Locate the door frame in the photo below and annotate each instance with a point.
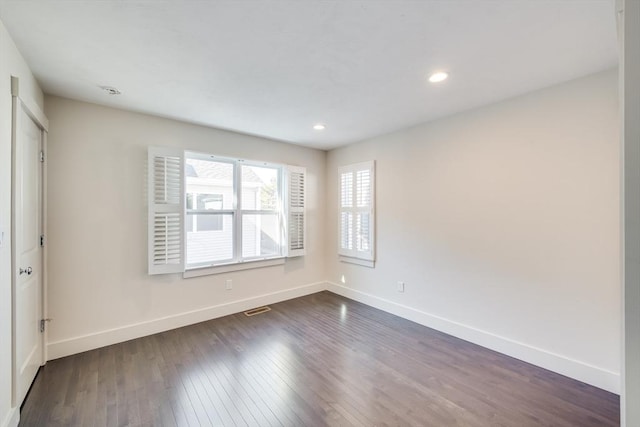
(37, 115)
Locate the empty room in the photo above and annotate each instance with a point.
(320, 213)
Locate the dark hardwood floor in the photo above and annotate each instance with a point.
(317, 360)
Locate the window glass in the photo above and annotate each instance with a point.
(205, 201)
(210, 238)
(213, 219)
(260, 235)
(259, 188)
(209, 184)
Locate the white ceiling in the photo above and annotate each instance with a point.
(275, 68)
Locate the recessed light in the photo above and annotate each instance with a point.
(110, 90)
(438, 77)
(319, 126)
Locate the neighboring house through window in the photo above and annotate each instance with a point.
(203, 202)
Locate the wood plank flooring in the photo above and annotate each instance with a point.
(317, 360)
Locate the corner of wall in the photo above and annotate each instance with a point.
(326, 252)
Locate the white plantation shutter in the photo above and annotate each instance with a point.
(356, 203)
(166, 210)
(295, 232)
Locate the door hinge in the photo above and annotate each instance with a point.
(41, 155)
(42, 240)
(43, 322)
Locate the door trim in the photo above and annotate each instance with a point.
(37, 115)
(32, 108)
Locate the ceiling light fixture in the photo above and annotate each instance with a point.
(319, 126)
(110, 90)
(438, 77)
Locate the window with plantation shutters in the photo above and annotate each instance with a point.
(356, 221)
(210, 214)
(166, 210)
(295, 211)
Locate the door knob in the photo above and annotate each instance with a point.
(27, 270)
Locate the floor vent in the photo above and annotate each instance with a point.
(258, 310)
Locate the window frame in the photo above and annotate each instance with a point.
(166, 212)
(280, 211)
(237, 213)
(353, 255)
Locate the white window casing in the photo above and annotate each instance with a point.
(167, 214)
(295, 211)
(356, 240)
(166, 194)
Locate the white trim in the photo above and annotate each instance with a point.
(354, 210)
(33, 111)
(87, 342)
(563, 365)
(201, 155)
(236, 266)
(165, 209)
(357, 261)
(13, 418)
(629, 48)
(32, 108)
(289, 172)
(45, 250)
(237, 213)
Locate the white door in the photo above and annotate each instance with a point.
(27, 292)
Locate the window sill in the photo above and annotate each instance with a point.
(226, 268)
(357, 261)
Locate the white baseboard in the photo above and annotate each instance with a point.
(575, 369)
(12, 419)
(82, 343)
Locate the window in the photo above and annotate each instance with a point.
(208, 211)
(356, 240)
(204, 203)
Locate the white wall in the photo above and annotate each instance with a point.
(99, 290)
(11, 64)
(504, 224)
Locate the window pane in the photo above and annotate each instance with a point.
(209, 238)
(205, 201)
(259, 188)
(346, 189)
(205, 222)
(261, 235)
(209, 184)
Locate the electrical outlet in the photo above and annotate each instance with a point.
(400, 286)
(229, 284)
